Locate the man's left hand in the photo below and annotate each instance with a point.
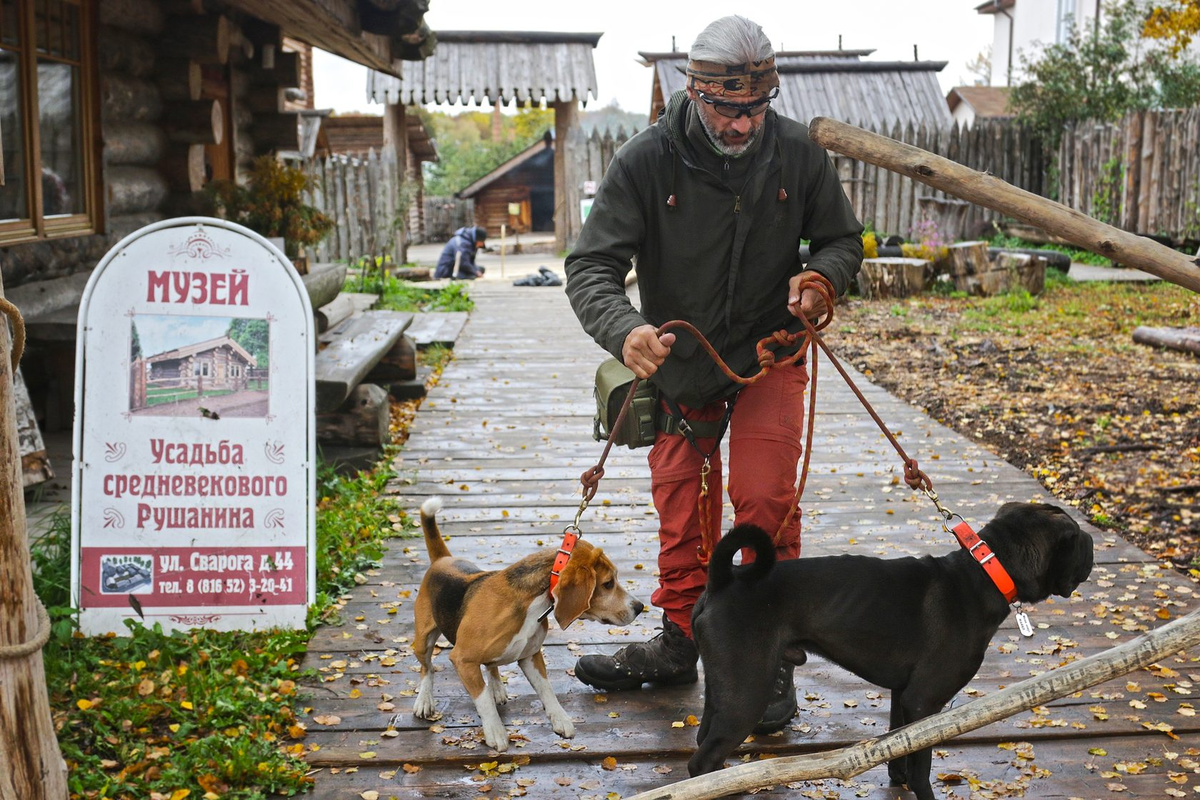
(809, 303)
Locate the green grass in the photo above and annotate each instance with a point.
(398, 295)
(161, 396)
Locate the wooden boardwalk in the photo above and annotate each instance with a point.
(503, 438)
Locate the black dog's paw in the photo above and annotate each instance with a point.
(897, 773)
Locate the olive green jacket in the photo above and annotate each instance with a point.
(721, 256)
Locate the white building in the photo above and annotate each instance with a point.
(1025, 27)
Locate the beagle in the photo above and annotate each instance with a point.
(495, 618)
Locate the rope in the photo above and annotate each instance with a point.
(14, 316)
(42, 634)
(40, 637)
(811, 340)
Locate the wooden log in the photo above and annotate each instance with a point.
(412, 389)
(286, 71)
(132, 189)
(985, 190)
(335, 311)
(358, 346)
(847, 762)
(276, 132)
(414, 273)
(31, 765)
(205, 40)
(179, 79)
(183, 167)
(122, 51)
(133, 143)
(195, 122)
(400, 363)
(143, 17)
(264, 99)
(362, 420)
(323, 283)
(893, 277)
(126, 99)
(1184, 340)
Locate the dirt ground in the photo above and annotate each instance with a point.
(1056, 386)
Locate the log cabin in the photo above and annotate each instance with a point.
(116, 113)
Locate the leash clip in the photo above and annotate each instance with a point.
(1023, 623)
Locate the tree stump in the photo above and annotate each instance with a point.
(966, 260)
(893, 277)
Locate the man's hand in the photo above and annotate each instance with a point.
(644, 350)
(809, 303)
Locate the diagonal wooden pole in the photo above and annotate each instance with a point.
(31, 766)
(857, 759)
(989, 191)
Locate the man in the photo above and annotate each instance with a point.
(458, 256)
(713, 201)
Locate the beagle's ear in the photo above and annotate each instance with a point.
(575, 588)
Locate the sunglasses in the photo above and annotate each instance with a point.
(736, 110)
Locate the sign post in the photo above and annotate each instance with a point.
(192, 503)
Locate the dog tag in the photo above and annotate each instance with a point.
(1023, 624)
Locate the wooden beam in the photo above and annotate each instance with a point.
(565, 116)
(1081, 230)
(332, 25)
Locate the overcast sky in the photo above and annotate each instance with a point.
(943, 30)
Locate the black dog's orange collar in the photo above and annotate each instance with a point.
(570, 538)
(983, 554)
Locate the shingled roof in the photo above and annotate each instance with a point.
(833, 83)
(494, 66)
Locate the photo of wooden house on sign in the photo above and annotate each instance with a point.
(226, 375)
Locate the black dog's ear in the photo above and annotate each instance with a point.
(1072, 560)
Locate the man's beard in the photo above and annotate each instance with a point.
(733, 150)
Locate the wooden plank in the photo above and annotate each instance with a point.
(356, 347)
(437, 328)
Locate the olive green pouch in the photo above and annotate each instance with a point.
(612, 387)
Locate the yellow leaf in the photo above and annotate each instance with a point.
(676, 724)
(173, 727)
(355, 693)
(368, 754)
(1097, 751)
(370, 794)
(691, 720)
(180, 794)
(83, 705)
(186, 705)
(609, 763)
(411, 768)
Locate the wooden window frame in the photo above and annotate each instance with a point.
(37, 227)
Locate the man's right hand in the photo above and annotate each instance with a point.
(644, 350)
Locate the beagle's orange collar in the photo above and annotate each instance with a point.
(570, 538)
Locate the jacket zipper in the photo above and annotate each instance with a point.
(737, 198)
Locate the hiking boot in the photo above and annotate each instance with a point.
(669, 658)
(782, 707)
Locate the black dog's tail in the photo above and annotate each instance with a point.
(720, 567)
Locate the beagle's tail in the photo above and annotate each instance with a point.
(720, 567)
(434, 543)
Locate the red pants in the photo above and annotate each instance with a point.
(765, 445)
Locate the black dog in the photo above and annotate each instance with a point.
(917, 626)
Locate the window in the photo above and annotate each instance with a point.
(47, 113)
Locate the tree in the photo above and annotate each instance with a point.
(1101, 75)
(254, 335)
(135, 347)
(981, 67)
(1177, 24)
(466, 149)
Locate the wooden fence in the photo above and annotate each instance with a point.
(362, 196)
(1141, 174)
(445, 215)
(588, 157)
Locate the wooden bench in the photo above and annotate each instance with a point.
(352, 350)
(437, 328)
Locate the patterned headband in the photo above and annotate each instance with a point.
(751, 79)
